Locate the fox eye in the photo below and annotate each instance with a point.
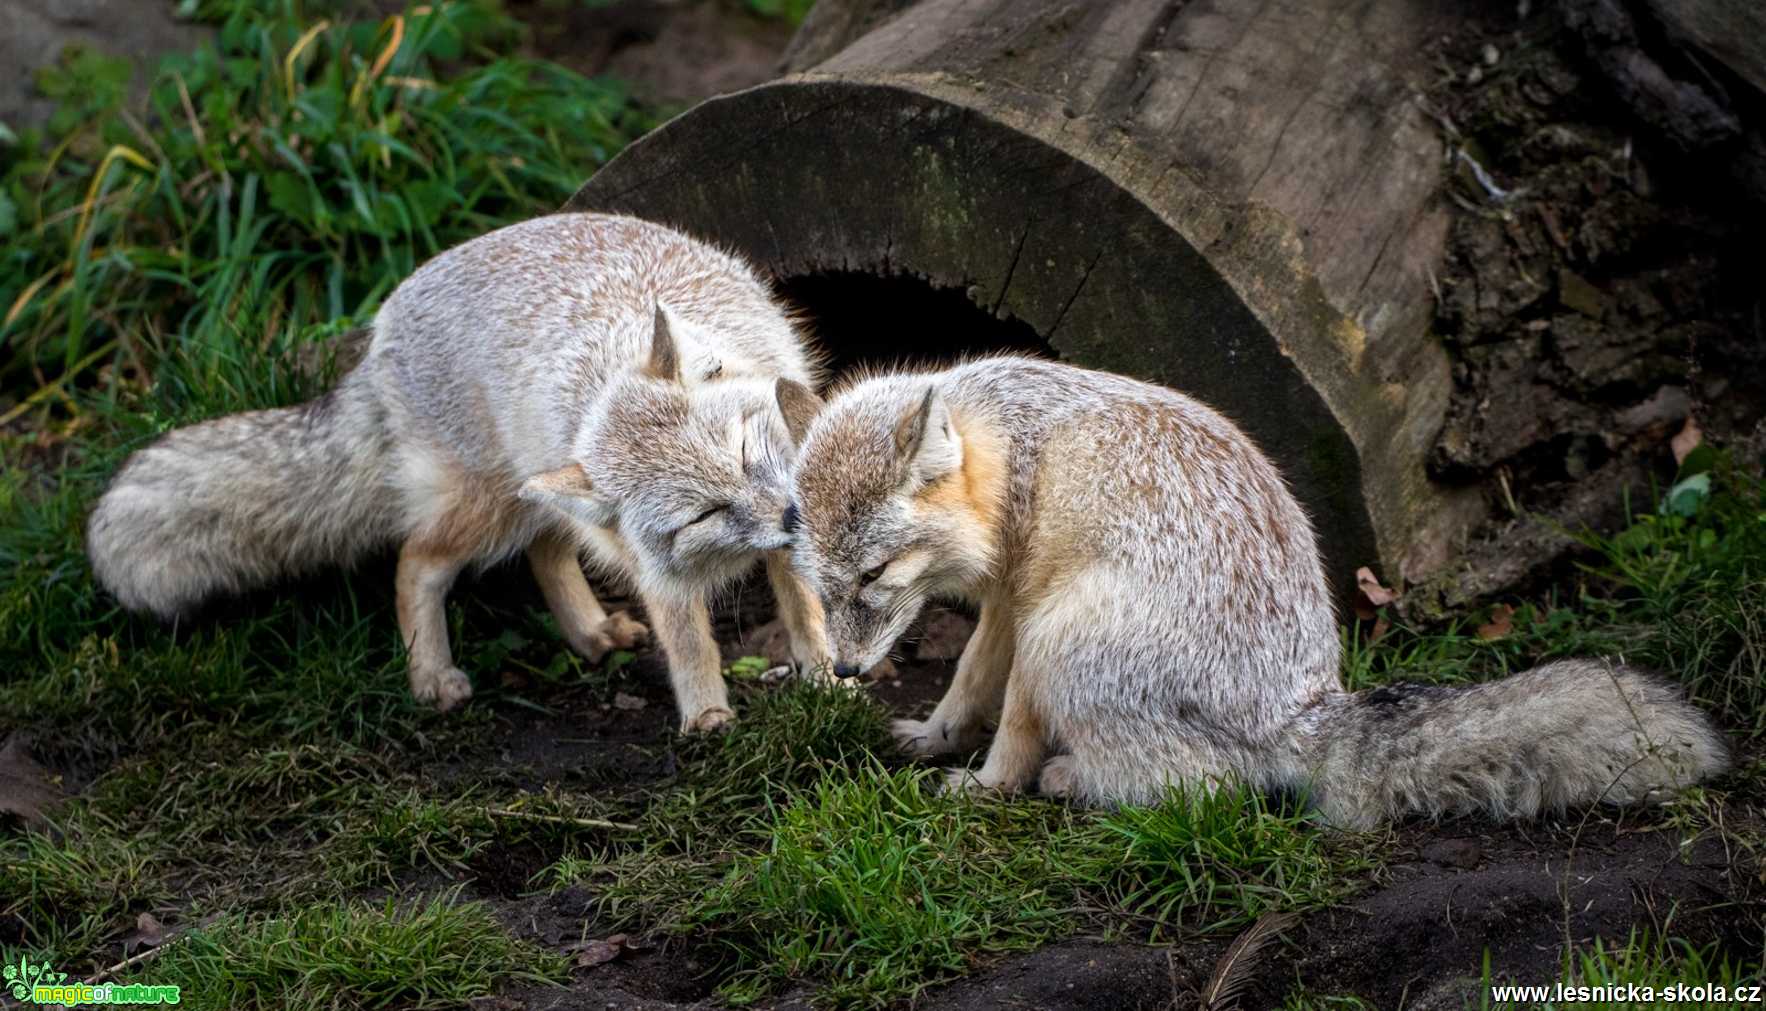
(871, 575)
(707, 514)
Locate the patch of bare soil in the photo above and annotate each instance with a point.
(39, 31)
(1454, 892)
(671, 52)
(580, 737)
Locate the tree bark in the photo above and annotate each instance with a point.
(1236, 199)
(1692, 72)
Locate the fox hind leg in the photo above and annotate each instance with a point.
(589, 629)
(425, 575)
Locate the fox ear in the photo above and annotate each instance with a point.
(925, 443)
(799, 406)
(675, 358)
(665, 359)
(569, 491)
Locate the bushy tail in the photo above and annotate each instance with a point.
(237, 502)
(1570, 733)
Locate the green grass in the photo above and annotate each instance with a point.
(163, 267)
(875, 887)
(336, 956)
(282, 180)
(1639, 961)
(791, 853)
(790, 11)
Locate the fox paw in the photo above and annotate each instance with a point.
(444, 688)
(616, 631)
(970, 781)
(1058, 777)
(978, 781)
(624, 631)
(709, 720)
(935, 736)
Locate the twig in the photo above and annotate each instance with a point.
(132, 961)
(558, 819)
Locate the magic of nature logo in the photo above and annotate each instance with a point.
(38, 983)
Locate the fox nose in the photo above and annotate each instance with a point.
(847, 670)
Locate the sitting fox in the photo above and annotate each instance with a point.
(1153, 611)
(575, 383)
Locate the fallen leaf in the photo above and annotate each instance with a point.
(148, 933)
(629, 702)
(1556, 231)
(1381, 627)
(770, 641)
(1686, 440)
(593, 953)
(26, 788)
(514, 680)
(1501, 623)
(748, 668)
(1370, 595)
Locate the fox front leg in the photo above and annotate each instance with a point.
(1016, 755)
(424, 577)
(695, 667)
(589, 629)
(801, 614)
(976, 693)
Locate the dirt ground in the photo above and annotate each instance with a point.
(671, 52)
(1414, 938)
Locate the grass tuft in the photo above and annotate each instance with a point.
(439, 954)
(286, 177)
(876, 887)
(1222, 858)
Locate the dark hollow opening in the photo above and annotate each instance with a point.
(881, 321)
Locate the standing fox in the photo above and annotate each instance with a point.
(572, 383)
(1154, 611)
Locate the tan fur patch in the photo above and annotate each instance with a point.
(979, 486)
(475, 519)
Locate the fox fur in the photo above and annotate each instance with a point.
(1153, 611)
(574, 384)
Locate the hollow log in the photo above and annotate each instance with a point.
(1235, 199)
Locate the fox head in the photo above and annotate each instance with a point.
(891, 506)
(692, 473)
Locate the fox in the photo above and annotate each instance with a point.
(1154, 614)
(573, 387)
